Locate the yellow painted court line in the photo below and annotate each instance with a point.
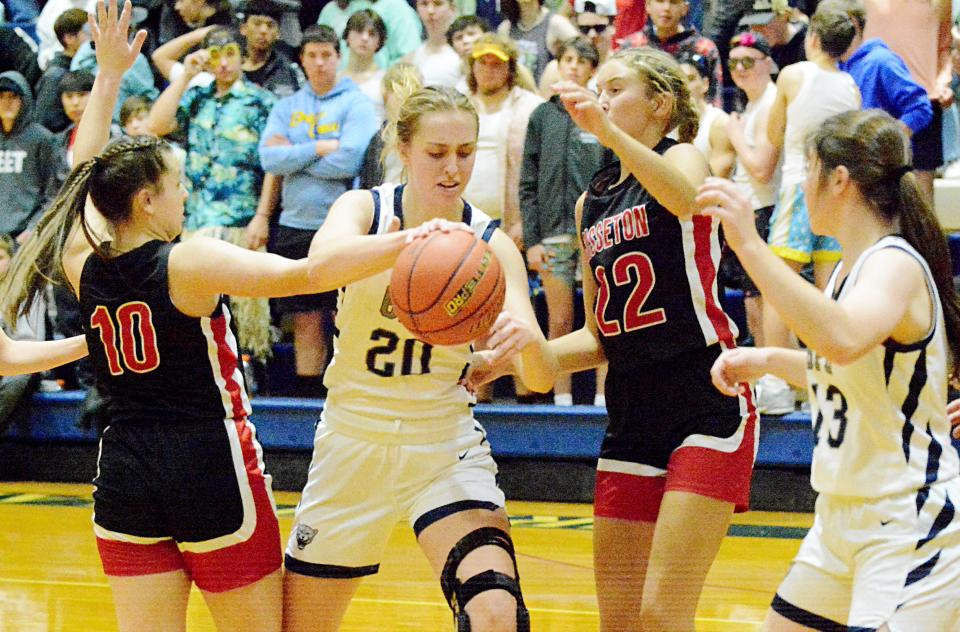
(370, 600)
(24, 498)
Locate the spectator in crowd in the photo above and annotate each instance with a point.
(808, 93)
(666, 31)
(20, 14)
(464, 32)
(315, 139)
(401, 21)
(435, 58)
(16, 389)
(229, 196)
(365, 35)
(137, 81)
(49, 42)
(881, 75)
(755, 173)
(19, 53)
(380, 165)
(711, 139)
(27, 159)
(595, 20)
(71, 33)
(135, 116)
(264, 63)
(179, 17)
(537, 31)
(919, 32)
(559, 161)
(784, 28)
(504, 108)
(75, 89)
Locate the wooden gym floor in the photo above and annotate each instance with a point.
(51, 581)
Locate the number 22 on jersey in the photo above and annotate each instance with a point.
(631, 268)
(138, 350)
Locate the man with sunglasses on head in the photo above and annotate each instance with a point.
(230, 197)
(666, 31)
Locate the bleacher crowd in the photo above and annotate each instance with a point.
(278, 107)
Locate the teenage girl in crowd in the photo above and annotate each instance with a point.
(397, 440)
(677, 456)
(882, 341)
(181, 494)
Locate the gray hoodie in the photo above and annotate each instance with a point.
(28, 161)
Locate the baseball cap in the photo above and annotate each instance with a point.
(489, 48)
(763, 12)
(600, 7)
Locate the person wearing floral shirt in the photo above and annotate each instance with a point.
(230, 197)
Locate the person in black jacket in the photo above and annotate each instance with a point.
(559, 160)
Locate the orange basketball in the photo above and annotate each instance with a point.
(447, 288)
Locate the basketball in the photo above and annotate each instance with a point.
(447, 288)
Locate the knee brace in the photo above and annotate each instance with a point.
(459, 594)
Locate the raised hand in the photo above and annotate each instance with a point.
(584, 108)
(722, 199)
(115, 54)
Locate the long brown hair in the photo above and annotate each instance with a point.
(126, 166)
(870, 144)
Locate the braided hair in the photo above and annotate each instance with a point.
(111, 179)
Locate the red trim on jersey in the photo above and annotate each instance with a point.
(228, 365)
(628, 497)
(247, 562)
(703, 257)
(127, 559)
(714, 474)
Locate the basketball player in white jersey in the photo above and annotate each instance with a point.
(884, 550)
(397, 440)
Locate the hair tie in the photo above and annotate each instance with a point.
(902, 171)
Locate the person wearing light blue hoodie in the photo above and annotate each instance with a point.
(315, 139)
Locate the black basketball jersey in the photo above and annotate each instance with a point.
(151, 361)
(656, 275)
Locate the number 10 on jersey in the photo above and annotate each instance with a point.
(138, 339)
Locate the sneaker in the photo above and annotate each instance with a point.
(600, 400)
(563, 399)
(775, 396)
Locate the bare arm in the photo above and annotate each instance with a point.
(163, 115)
(760, 161)
(747, 364)
(166, 56)
(722, 154)
(581, 349)
(114, 57)
(787, 83)
(27, 356)
(535, 363)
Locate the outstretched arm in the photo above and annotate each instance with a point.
(27, 356)
(114, 57)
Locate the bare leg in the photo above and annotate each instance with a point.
(492, 610)
(312, 604)
(560, 318)
(151, 603)
(686, 541)
(309, 343)
(256, 607)
(621, 553)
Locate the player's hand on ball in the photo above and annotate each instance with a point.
(508, 336)
(482, 371)
(442, 225)
(953, 415)
(735, 367)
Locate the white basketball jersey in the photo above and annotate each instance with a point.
(880, 424)
(381, 375)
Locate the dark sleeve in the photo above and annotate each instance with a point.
(48, 107)
(530, 177)
(17, 54)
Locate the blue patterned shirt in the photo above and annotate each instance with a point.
(223, 170)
